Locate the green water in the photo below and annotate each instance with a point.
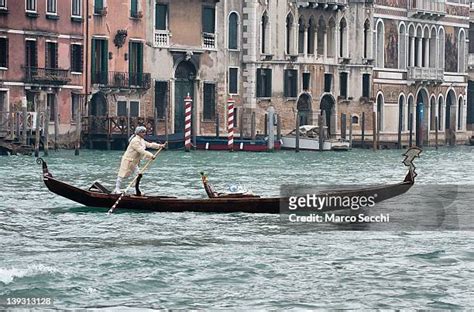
(80, 258)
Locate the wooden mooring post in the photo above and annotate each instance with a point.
(362, 143)
(77, 146)
(350, 131)
(46, 133)
(56, 124)
(37, 132)
(410, 124)
(278, 127)
(321, 124)
(374, 130)
(253, 127)
(297, 134)
(241, 124)
(436, 131)
(25, 124)
(217, 125)
(343, 126)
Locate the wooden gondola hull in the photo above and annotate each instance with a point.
(209, 205)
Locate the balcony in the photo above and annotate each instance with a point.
(122, 80)
(425, 74)
(429, 9)
(321, 4)
(470, 61)
(208, 40)
(47, 76)
(162, 39)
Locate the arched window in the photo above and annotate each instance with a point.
(411, 46)
(401, 113)
(311, 32)
(289, 34)
(321, 33)
(425, 41)
(441, 49)
(460, 112)
(433, 39)
(366, 38)
(379, 61)
(402, 56)
(462, 51)
(331, 38)
(342, 38)
(233, 31)
(440, 113)
(409, 118)
(355, 119)
(264, 32)
(432, 113)
(380, 112)
(301, 31)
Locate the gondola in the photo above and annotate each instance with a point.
(100, 197)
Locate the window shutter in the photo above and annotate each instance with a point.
(134, 8)
(233, 33)
(46, 52)
(161, 12)
(7, 52)
(259, 82)
(56, 55)
(105, 55)
(81, 60)
(93, 60)
(208, 16)
(268, 87)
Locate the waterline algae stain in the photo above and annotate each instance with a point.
(80, 258)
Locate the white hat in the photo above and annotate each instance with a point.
(140, 129)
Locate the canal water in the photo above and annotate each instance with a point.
(82, 258)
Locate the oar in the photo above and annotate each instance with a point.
(111, 210)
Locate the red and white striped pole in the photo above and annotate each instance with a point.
(188, 104)
(230, 124)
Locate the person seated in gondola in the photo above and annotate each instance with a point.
(135, 152)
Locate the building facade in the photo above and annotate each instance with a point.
(118, 87)
(41, 60)
(470, 88)
(420, 70)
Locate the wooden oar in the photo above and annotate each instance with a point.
(111, 210)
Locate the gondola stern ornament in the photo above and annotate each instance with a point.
(410, 156)
(46, 173)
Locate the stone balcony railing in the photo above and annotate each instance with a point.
(47, 76)
(322, 4)
(208, 40)
(162, 39)
(426, 8)
(425, 74)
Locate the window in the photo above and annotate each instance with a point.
(355, 120)
(264, 82)
(208, 20)
(51, 102)
(31, 53)
(343, 85)
(4, 52)
(98, 6)
(161, 16)
(76, 58)
(289, 34)
(236, 114)
(51, 55)
(342, 38)
(51, 7)
(99, 61)
(233, 80)
(161, 98)
(366, 38)
(233, 31)
(264, 44)
(311, 33)
(379, 49)
(3, 4)
(31, 5)
(306, 81)
(75, 101)
(366, 85)
(135, 63)
(134, 108)
(134, 8)
(122, 109)
(209, 109)
(301, 31)
(470, 101)
(327, 82)
(290, 83)
(76, 7)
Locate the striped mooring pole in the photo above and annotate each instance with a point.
(230, 124)
(188, 104)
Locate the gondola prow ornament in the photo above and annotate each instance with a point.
(410, 155)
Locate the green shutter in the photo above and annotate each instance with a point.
(268, 89)
(93, 60)
(259, 78)
(161, 12)
(208, 20)
(134, 8)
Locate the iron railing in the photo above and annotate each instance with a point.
(54, 76)
(122, 80)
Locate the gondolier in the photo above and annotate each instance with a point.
(135, 152)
